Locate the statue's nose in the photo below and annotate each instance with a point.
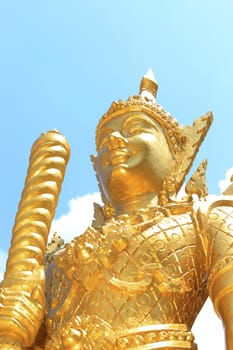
(116, 140)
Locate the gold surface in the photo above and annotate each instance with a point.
(138, 277)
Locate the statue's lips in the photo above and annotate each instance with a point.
(119, 156)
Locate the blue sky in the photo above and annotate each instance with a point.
(63, 62)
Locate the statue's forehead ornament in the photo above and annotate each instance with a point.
(145, 102)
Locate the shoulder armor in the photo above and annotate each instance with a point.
(203, 207)
(215, 217)
(62, 283)
(202, 210)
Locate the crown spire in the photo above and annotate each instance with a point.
(148, 86)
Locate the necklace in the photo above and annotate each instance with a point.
(137, 222)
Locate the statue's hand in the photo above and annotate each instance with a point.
(21, 310)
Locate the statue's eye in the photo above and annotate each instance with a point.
(136, 130)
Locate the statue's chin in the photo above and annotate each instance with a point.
(124, 184)
(119, 184)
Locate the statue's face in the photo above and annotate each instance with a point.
(133, 157)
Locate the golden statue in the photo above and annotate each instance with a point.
(139, 276)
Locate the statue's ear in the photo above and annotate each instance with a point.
(103, 197)
(193, 136)
(101, 214)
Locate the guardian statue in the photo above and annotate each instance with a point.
(137, 278)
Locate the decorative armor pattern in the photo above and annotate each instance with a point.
(135, 283)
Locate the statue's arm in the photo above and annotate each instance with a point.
(220, 263)
(22, 301)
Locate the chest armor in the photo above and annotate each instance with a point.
(135, 284)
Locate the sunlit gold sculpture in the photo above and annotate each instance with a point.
(138, 277)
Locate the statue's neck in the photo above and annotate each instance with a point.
(133, 204)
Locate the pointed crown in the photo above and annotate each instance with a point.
(184, 142)
(145, 102)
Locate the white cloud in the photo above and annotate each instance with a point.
(208, 329)
(223, 184)
(78, 218)
(182, 192)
